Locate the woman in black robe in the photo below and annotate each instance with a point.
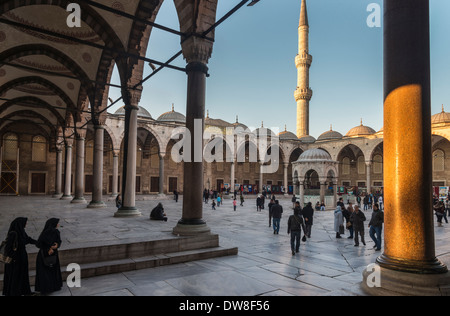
(48, 276)
(16, 280)
(158, 214)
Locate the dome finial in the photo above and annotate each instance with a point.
(331, 127)
(262, 124)
(443, 111)
(207, 114)
(237, 118)
(362, 122)
(285, 127)
(173, 107)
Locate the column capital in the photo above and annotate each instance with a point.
(131, 98)
(197, 49)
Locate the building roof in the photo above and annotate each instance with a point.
(308, 139)
(330, 135)
(286, 135)
(441, 118)
(141, 113)
(172, 117)
(314, 155)
(360, 130)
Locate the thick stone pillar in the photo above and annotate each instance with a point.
(409, 260)
(129, 157)
(58, 176)
(161, 174)
(79, 172)
(68, 174)
(323, 186)
(286, 184)
(192, 222)
(302, 193)
(97, 190)
(115, 176)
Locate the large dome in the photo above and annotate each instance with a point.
(360, 130)
(286, 135)
(441, 118)
(315, 155)
(141, 113)
(330, 135)
(172, 117)
(308, 139)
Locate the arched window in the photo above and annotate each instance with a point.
(346, 166)
(438, 160)
(378, 164)
(90, 152)
(361, 165)
(39, 149)
(139, 156)
(10, 145)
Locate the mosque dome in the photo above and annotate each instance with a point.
(330, 135)
(262, 131)
(141, 112)
(172, 117)
(286, 135)
(237, 124)
(314, 155)
(308, 139)
(441, 118)
(360, 130)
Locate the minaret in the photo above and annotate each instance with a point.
(303, 61)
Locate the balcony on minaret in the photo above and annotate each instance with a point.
(303, 94)
(303, 59)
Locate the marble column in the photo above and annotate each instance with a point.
(261, 177)
(286, 184)
(369, 176)
(323, 185)
(232, 177)
(79, 171)
(161, 174)
(192, 222)
(115, 176)
(335, 198)
(129, 158)
(302, 193)
(68, 174)
(97, 190)
(58, 176)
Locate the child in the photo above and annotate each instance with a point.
(214, 205)
(234, 204)
(219, 200)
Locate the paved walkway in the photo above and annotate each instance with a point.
(264, 266)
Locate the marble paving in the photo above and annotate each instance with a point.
(264, 266)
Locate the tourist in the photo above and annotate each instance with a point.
(175, 194)
(366, 202)
(322, 206)
(376, 226)
(277, 211)
(16, 281)
(271, 204)
(338, 222)
(347, 212)
(48, 269)
(358, 218)
(213, 204)
(380, 202)
(295, 225)
(439, 209)
(308, 215)
(234, 204)
(317, 206)
(119, 201)
(294, 199)
(219, 200)
(158, 214)
(341, 203)
(258, 204)
(242, 199)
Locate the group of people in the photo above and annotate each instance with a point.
(354, 223)
(48, 271)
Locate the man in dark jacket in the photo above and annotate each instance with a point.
(295, 225)
(376, 226)
(358, 218)
(277, 210)
(308, 216)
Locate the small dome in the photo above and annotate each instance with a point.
(308, 139)
(141, 113)
(286, 135)
(360, 130)
(330, 135)
(315, 154)
(172, 117)
(237, 124)
(262, 131)
(441, 118)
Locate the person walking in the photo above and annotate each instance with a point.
(338, 222)
(16, 280)
(358, 218)
(271, 204)
(295, 226)
(308, 216)
(439, 211)
(213, 204)
(277, 211)
(219, 200)
(242, 199)
(48, 268)
(347, 212)
(294, 199)
(234, 204)
(258, 204)
(376, 226)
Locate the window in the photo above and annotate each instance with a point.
(39, 149)
(438, 160)
(378, 164)
(346, 165)
(10, 145)
(90, 152)
(361, 165)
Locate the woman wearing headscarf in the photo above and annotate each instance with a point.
(158, 214)
(338, 222)
(16, 280)
(48, 269)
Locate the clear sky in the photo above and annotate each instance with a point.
(253, 72)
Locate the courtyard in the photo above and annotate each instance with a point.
(264, 266)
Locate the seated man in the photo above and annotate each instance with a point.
(158, 214)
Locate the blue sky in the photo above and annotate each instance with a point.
(253, 72)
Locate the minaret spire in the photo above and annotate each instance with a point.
(303, 93)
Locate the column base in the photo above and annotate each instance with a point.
(66, 197)
(80, 200)
(411, 266)
(191, 228)
(57, 195)
(379, 281)
(125, 211)
(96, 204)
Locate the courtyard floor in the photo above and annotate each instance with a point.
(264, 266)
